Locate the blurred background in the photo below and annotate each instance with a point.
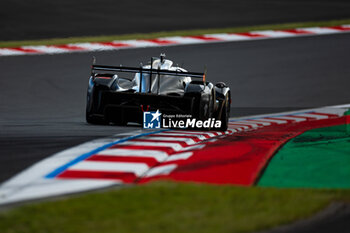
(36, 19)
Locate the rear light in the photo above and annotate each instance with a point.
(104, 77)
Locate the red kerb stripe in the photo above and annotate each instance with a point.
(182, 143)
(296, 31)
(248, 34)
(126, 177)
(161, 41)
(26, 50)
(189, 134)
(280, 119)
(135, 147)
(206, 38)
(340, 28)
(113, 44)
(67, 47)
(130, 159)
(262, 124)
(176, 136)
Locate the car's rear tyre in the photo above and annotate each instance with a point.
(94, 120)
(206, 108)
(225, 113)
(120, 122)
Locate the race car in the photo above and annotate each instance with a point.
(119, 95)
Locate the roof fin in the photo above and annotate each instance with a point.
(162, 58)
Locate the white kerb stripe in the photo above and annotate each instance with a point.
(138, 43)
(290, 118)
(195, 132)
(93, 46)
(242, 123)
(318, 117)
(196, 147)
(188, 141)
(219, 132)
(230, 37)
(274, 34)
(137, 168)
(257, 122)
(231, 130)
(272, 120)
(175, 146)
(158, 155)
(332, 111)
(200, 137)
(161, 170)
(318, 30)
(46, 49)
(184, 40)
(180, 156)
(238, 127)
(11, 52)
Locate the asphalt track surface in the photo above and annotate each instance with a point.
(36, 19)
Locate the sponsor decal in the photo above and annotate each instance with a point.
(155, 120)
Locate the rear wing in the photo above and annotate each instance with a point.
(150, 71)
(146, 71)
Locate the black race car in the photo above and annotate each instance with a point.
(118, 94)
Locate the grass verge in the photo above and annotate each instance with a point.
(171, 207)
(58, 41)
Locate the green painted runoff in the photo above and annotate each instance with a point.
(319, 158)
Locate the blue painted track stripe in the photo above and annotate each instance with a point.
(61, 169)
